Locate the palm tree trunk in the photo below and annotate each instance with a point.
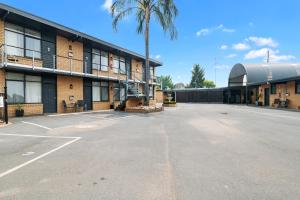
(147, 57)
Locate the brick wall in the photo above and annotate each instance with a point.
(1, 31)
(29, 109)
(2, 80)
(101, 105)
(159, 96)
(64, 91)
(136, 67)
(64, 54)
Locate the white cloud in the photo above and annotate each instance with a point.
(260, 41)
(274, 55)
(203, 32)
(231, 56)
(221, 27)
(224, 47)
(107, 5)
(157, 56)
(241, 46)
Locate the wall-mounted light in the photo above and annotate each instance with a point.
(71, 86)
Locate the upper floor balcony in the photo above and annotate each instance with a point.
(45, 61)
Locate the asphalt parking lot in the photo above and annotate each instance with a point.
(192, 152)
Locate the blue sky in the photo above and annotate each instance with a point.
(212, 33)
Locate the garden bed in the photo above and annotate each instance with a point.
(169, 103)
(145, 109)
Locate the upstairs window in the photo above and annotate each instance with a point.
(96, 59)
(14, 39)
(104, 61)
(100, 60)
(120, 65)
(298, 87)
(32, 43)
(22, 41)
(273, 89)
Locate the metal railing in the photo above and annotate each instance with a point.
(37, 59)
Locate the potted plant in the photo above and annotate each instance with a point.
(19, 110)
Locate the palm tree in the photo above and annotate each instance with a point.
(164, 11)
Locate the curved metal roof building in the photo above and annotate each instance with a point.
(254, 74)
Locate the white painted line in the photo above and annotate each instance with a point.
(38, 136)
(38, 125)
(37, 158)
(111, 118)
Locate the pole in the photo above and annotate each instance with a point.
(5, 105)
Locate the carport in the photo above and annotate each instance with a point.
(245, 79)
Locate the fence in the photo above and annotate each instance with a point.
(199, 95)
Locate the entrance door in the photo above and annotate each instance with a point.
(87, 94)
(49, 94)
(267, 96)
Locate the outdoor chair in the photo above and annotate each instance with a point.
(80, 105)
(276, 103)
(66, 106)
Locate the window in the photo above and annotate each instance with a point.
(100, 91)
(151, 91)
(273, 89)
(104, 91)
(117, 91)
(14, 39)
(96, 91)
(116, 64)
(33, 92)
(122, 66)
(298, 87)
(96, 59)
(22, 41)
(104, 61)
(23, 89)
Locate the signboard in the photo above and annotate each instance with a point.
(1, 102)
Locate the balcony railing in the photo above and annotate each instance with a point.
(27, 58)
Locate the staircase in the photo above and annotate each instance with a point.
(134, 91)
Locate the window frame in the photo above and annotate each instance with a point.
(24, 88)
(297, 84)
(25, 35)
(120, 60)
(101, 93)
(272, 89)
(100, 54)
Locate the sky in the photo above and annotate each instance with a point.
(213, 33)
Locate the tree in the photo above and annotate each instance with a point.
(209, 84)
(197, 77)
(179, 86)
(167, 82)
(164, 11)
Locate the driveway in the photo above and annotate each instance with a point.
(192, 152)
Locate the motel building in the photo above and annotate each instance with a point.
(272, 85)
(49, 68)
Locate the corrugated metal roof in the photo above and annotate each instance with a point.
(261, 73)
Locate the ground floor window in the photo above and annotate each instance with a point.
(119, 92)
(100, 91)
(298, 87)
(23, 88)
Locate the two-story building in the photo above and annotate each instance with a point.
(48, 68)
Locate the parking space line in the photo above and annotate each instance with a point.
(38, 125)
(74, 139)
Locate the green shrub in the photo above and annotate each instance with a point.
(169, 102)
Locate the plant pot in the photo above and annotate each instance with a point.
(20, 113)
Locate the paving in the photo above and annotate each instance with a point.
(192, 152)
